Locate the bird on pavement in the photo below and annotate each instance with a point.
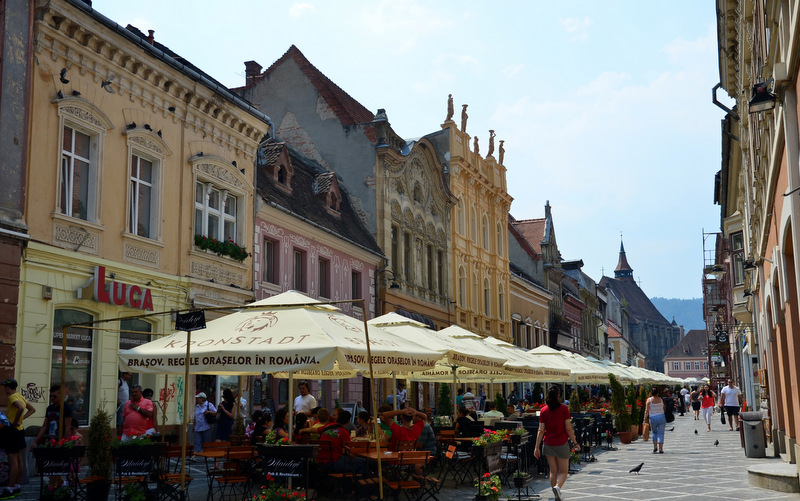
(716, 442)
(695, 432)
(672, 429)
(637, 469)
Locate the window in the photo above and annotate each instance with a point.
(429, 252)
(475, 295)
(215, 212)
(473, 224)
(460, 217)
(487, 298)
(407, 256)
(270, 268)
(485, 232)
(705, 365)
(440, 271)
(676, 366)
(697, 366)
(395, 252)
(78, 361)
(298, 278)
(501, 300)
(737, 244)
(500, 239)
(143, 211)
(324, 280)
(77, 194)
(687, 366)
(462, 288)
(355, 285)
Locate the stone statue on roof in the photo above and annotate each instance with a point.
(501, 152)
(491, 142)
(475, 143)
(464, 118)
(450, 110)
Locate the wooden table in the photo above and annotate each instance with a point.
(372, 455)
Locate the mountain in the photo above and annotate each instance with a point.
(687, 312)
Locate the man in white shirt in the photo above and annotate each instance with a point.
(402, 394)
(731, 400)
(304, 401)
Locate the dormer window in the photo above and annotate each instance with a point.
(282, 175)
(326, 188)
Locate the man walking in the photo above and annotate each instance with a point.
(731, 400)
(12, 438)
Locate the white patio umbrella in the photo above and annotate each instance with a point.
(531, 367)
(582, 371)
(288, 332)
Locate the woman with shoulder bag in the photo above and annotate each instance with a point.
(203, 412)
(654, 412)
(707, 398)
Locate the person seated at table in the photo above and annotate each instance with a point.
(335, 418)
(427, 438)
(313, 418)
(383, 424)
(261, 428)
(412, 422)
(257, 416)
(323, 420)
(492, 413)
(332, 457)
(512, 411)
(281, 424)
(463, 422)
(301, 429)
(364, 425)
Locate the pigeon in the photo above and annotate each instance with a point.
(695, 432)
(63, 75)
(672, 429)
(105, 83)
(76, 93)
(636, 469)
(716, 442)
(60, 95)
(131, 125)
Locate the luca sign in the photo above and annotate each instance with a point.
(116, 293)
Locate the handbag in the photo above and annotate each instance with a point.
(722, 417)
(646, 432)
(669, 415)
(210, 418)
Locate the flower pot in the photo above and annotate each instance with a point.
(479, 497)
(481, 451)
(520, 482)
(624, 437)
(58, 460)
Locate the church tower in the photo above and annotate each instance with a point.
(623, 271)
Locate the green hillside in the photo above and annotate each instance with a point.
(687, 312)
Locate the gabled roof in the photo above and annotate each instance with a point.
(691, 345)
(532, 230)
(303, 201)
(523, 242)
(347, 110)
(639, 305)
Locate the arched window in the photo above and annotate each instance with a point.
(475, 294)
(500, 239)
(487, 298)
(460, 217)
(485, 232)
(462, 287)
(474, 226)
(501, 302)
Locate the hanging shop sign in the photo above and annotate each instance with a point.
(116, 293)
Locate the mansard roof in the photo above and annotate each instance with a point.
(532, 230)
(692, 345)
(303, 201)
(347, 110)
(639, 305)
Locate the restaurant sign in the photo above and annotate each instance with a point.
(115, 293)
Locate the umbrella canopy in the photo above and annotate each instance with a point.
(582, 371)
(283, 333)
(531, 367)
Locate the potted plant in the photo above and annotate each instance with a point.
(489, 488)
(444, 405)
(488, 443)
(518, 435)
(574, 402)
(59, 460)
(274, 492)
(521, 479)
(622, 419)
(631, 404)
(99, 455)
(644, 393)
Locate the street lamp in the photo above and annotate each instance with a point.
(762, 99)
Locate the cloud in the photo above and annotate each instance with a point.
(301, 9)
(577, 28)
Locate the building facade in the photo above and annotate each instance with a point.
(689, 358)
(143, 166)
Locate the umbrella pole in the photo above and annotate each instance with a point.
(372, 395)
(453, 393)
(185, 411)
(394, 390)
(290, 403)
(164, 408)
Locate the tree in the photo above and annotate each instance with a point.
(444, 405)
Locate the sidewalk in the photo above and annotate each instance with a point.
(691, 468)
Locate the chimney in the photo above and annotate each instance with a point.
(251, 70)
(150, 36)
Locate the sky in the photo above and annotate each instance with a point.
(605, 107)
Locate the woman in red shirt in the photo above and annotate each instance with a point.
(707, 397)
(555, 429)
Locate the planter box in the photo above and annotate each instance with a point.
(286, 451)
(487, 450)
(520, 482)
(58, 460)
(519, 439)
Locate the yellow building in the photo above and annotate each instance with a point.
(135, 155)
(480, 266)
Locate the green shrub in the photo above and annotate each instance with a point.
(444, 404)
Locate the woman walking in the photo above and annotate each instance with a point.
(707, 404)
(555, 430)
(654, 411)
(225, 416)
(694, 398)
